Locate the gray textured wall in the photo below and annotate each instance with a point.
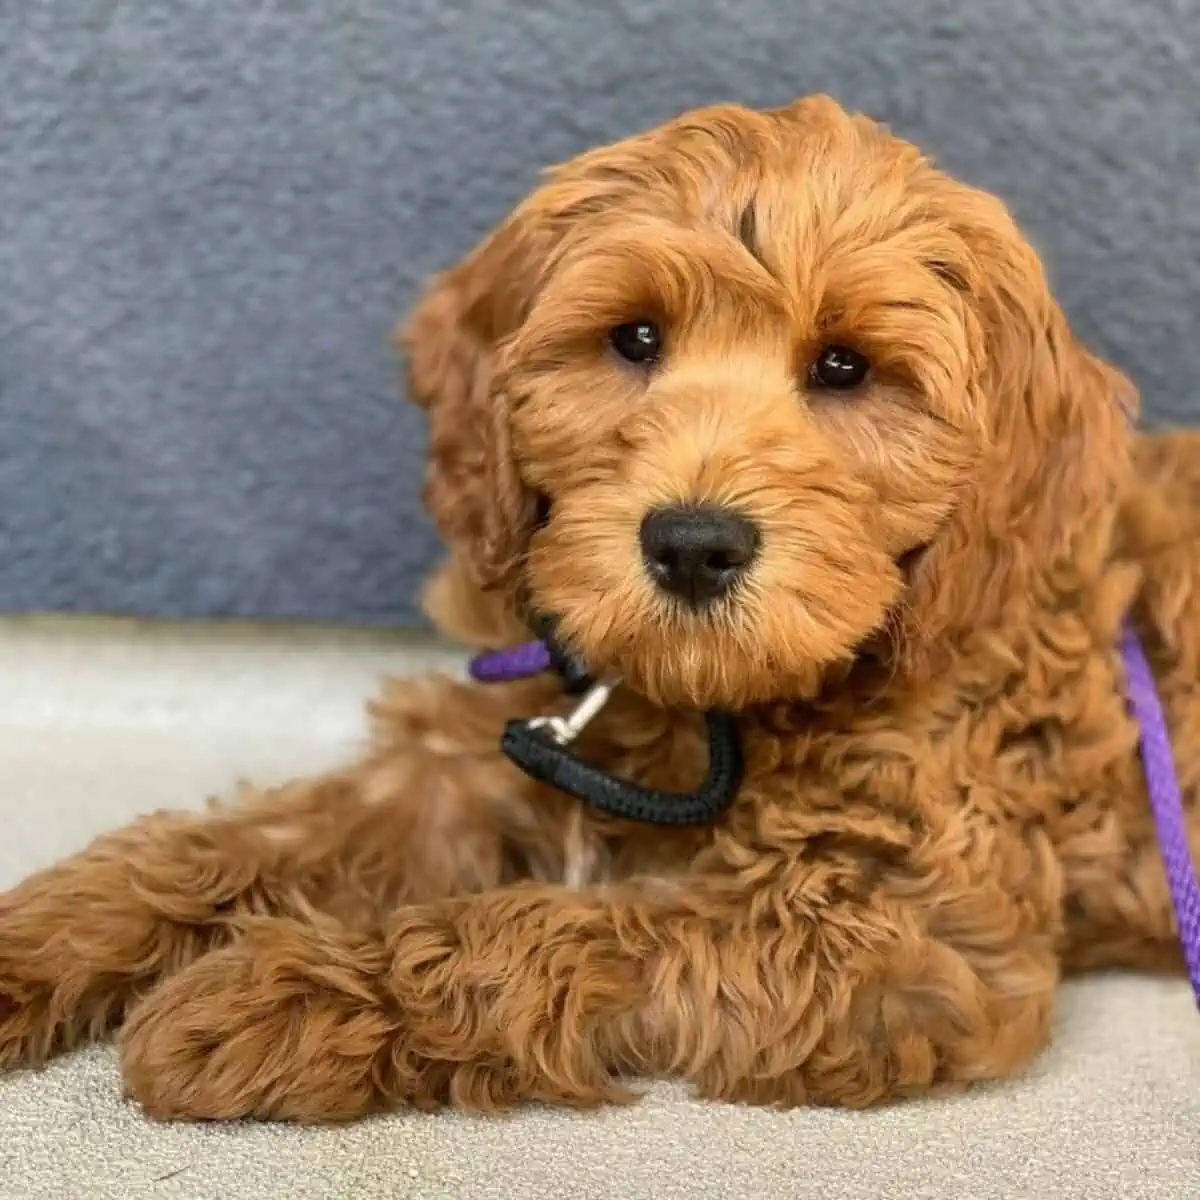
(210, 211)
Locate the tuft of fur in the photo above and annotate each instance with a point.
(943, 809)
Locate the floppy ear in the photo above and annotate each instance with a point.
(1056, 424)
(450, 342)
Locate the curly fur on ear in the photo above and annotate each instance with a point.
(1055, 444)
(472, 488)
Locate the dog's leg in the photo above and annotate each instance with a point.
(425, 815)
(770, 990)
(1117, 903)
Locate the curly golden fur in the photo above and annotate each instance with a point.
(943, 809)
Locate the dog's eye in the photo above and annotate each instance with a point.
(840, 367)
(638, 341)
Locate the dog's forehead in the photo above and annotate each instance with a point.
(734, 167)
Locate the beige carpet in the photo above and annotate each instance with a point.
(99, 722)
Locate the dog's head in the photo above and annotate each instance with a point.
(747, 396)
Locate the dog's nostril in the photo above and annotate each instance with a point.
(664, 559)
(696, 552)
(722, 560)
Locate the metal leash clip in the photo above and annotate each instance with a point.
(564, 730)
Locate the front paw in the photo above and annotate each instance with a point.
(286, 1025)
(27, 1029)
(49, 1000)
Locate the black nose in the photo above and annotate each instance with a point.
(696, 552)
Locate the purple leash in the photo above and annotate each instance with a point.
(1162, 783)
(515, 662)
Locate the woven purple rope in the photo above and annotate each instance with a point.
(1162, 783)
(515, 662)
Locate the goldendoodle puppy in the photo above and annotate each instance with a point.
(765, 415)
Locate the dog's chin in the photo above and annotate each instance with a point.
(712, 662)
(728, 684)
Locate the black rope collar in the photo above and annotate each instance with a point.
(541, 747)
